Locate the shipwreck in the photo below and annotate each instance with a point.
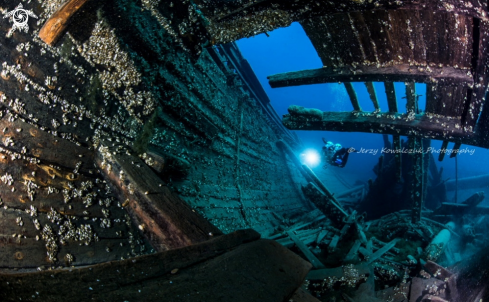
(141, 159)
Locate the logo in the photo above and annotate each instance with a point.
(20, 17)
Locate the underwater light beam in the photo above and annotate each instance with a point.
(311, 158)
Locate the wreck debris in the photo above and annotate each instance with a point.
(438, 244)
(57, 24)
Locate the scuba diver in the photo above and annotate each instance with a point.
(335, 154)
(328, 152)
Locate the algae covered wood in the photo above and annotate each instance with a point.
(226, 267)
(422, 125)
(396, 73)
(56, 25)
(165, 218)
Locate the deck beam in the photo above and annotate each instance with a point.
(396, 73)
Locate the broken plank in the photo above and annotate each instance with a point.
(396, 73)
(305, 250)
(334, 242)
(288, 243)
(321, 236)
(382, 251)
(324, 204)
(352, 254)
(56, 25)
(353, 96)
(443, 150)
(373, 95)
(455, 149)
(391, 96)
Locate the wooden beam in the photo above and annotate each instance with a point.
(353, 96)
(396, 73)
(396, 144)
(56, 25)
(373, 95)
(176, 273)
(422, 125)
(443, 149)
(455, 149)
(326, 205)
(380, 252)
(480, 60)
(417, 185)
(305, 250)
(166, 220)
(391, 96)
(299, 10)
(320, 185)
(448, 208)
(411, 97)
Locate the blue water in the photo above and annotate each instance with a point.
(289, 49)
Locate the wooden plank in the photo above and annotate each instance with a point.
(323, 188)
(27, 139)
(321, 236)
(324, 204)
(171, 274)
(373, 95)
(422, 125)
(352, 254)
(396, 73)
(299, 10)
(391, 96)
(411, 97)
(380, 252)
(396, 144)
(455, 149)
(288, 243)
(333, 243)
(167, 220)
(432, 98)
(31, 253)
(305, 250)
(448, 208)
(443, 149)
(353, 96)
(480, 59)
(57, 23)
(417, 183)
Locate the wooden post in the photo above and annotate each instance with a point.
(455, 149)
(391, 96)
(410, 97)
(417, 179)
(396, 141)
(56, 25)
(373, 95)
(353, 96)
(443, 151)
